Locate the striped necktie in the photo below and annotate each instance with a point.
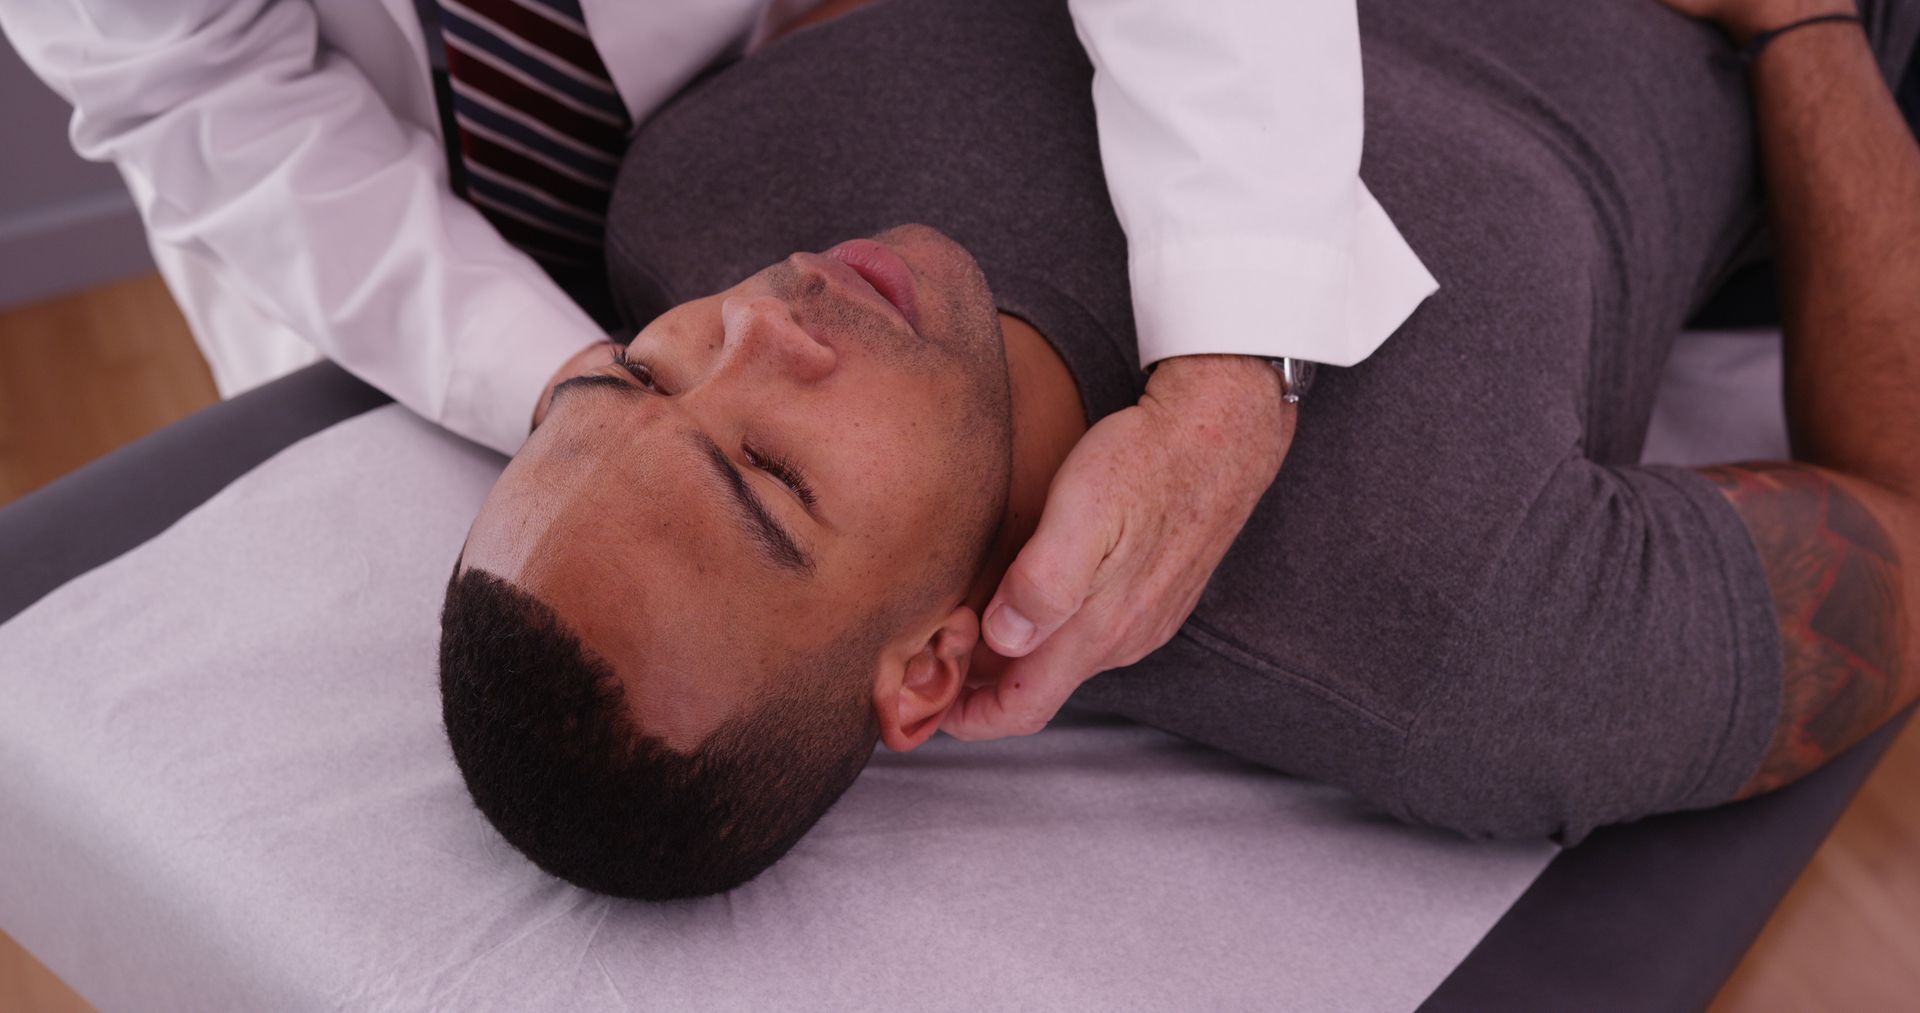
(541, 132)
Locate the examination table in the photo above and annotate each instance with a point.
(224, 785)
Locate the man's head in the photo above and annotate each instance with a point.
(720, 571)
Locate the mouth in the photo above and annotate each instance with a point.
(883, 271)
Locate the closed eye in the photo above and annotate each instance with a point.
(781, 469)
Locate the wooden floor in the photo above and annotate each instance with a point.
(82, 375)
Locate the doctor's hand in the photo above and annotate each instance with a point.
(1136, 520)
(590, 358)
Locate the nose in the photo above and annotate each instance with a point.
(761, 330)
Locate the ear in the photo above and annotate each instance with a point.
(919, 681)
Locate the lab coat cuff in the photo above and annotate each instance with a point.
(1275, 297)
(1244, 297)
(501, 374)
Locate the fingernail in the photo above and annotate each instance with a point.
(1011, 630)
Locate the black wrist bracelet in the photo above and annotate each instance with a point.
(1752, 52)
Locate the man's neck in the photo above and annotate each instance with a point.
(1048, 419)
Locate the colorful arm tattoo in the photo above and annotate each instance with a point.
(1835, 576)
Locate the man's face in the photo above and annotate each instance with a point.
(768, 466)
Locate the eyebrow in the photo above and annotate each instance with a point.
(777, 545)
(596, 381)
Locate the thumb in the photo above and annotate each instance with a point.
(1050, 578)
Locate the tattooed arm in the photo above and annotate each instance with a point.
(1838, 530)
(1846, 628)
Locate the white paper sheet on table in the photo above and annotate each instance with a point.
(225, 786)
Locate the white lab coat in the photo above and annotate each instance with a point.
(286, 158)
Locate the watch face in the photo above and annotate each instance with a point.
(1301, 377)
(1296, 375)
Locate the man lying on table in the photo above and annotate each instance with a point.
(760, 540)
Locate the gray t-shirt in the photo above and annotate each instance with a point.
(1462, 599)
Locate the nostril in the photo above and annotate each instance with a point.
(764, 328)
(804, 278)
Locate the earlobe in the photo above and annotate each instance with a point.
(915, 688)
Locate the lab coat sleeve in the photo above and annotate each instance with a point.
(247, 141)
(1231, 134)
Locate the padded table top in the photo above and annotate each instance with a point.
(228, 779)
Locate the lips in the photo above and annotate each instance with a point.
(882, 269)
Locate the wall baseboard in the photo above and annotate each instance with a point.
(76, 244)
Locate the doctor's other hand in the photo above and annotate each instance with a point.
(586, 360)
(1137, 518)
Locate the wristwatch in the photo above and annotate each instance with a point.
(1296, 376)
